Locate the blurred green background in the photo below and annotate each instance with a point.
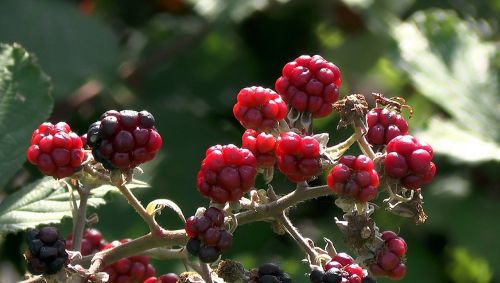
(185, 61)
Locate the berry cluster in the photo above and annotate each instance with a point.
(262, 146)
(208, 237)
(47, 254)
(355, 177)
(384, 125)
(271, 273)
(310, 84)
(298, 157)
(124, 139)
(410, 161)
(92, 241)
(389, 261)
(55, 150)
(340, 269)
(165, 278)
(259, 108)
(226, 173)
(130, 269)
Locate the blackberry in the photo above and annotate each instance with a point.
(46, 251)
(298, 157)
(270, 272)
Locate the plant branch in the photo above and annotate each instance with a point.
(81, 219)
(360, 131)
(297, 237)
(205, 273)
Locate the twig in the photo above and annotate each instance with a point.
(81, 219)
(360, 131)
(37, 278)
(297, 237)
(205, 273)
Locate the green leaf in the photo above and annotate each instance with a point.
(25, 102)
(448, 63)
(70, 46)
(46, 201)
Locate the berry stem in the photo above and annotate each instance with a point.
(81, 217)
(205, 273)
(339, 149)
(297, 237)
(136, 204)
(360, 131)
(33, 279)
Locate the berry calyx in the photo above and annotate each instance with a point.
(384, 125)
(259, 108)
(310, 84)
(226, 173)
(124, 139)
(298, 157)
(410, 161)
(262, 146)
(46, 251)
(354, 177)
(55, 150)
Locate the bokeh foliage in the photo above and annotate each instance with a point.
(185, 60)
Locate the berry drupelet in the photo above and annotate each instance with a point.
(355, 177)
(124, 139)
(310, 84)
(259, 108)
(208, 236)
(55, 150)
(410, 161)
(298, 157)
(262, 146)
(226, 173)
(47, 254)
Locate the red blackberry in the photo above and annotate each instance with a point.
(46, 251)
(55, 150)
(208, 237)
(342, 268)
(298, 157)
(130, 269)
(310, 84)
(259, 108)
(410, 161)
(384, 125)
(92, 242)
(355, 177)
(262, 146)
(226, 173)
(390, 257)
(165, 278)
(124, 139)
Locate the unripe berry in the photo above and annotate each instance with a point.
(262, 146)
(298, 157)
(384, 125)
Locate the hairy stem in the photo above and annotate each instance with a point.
(360, 131)
(297, 237)
(81, 218)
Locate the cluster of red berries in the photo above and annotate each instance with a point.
(47, 254)
(384, 125)
(340, 269)
(389, 260)
(262, 146)
(92, 242)
(355, 177)
(298, 157)
(208, 238)
(124, 139)
(410, 161)
(55, 150)
(310, 84)
(130, 269)
(165, 278)
(271, 273)
(226, 173)
(259, 108)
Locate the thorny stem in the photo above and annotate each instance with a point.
(297, 237)
(360, 131)
(205, 273)
(81, 219)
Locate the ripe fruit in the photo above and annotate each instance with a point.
(298, 157)
(124, 139)
(341, 268)
(355, 177)
(384, 125)
(208, 236)
(262, 146)
(259, 108)
(130, 269)
(46, 251)
(92, 241)
(389, 258)
(226, 173)
(310, 84)
(410, 161)
(270, 272)
(55, 150)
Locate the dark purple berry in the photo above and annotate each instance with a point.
(208, 254)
